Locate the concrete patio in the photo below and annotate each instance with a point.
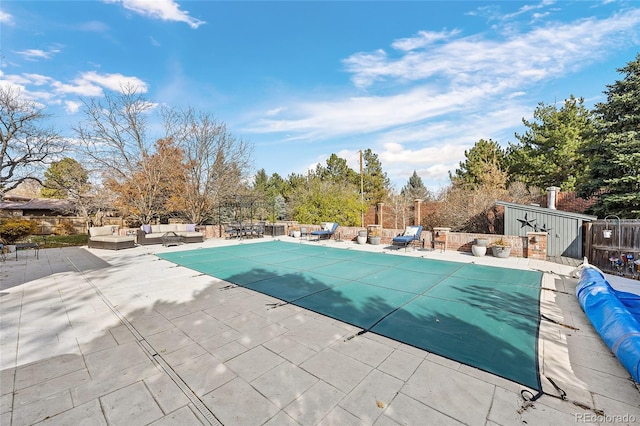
(92, 336)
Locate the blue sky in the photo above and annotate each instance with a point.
(417, 82)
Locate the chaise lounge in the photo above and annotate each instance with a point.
(410, 235)
(327, 231)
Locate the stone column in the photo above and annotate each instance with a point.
(416, 211)
(536, 247)
(380, 218)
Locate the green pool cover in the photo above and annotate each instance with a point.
(482, 316)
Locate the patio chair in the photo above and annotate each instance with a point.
(410, 235)
(327, 231)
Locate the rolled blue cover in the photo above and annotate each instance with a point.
(615, 315)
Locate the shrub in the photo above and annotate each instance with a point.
(501, 243)
(13, 230)
(65, 228)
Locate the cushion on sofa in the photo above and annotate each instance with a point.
(154, 235)
(161, 229)
(190, 234)
(96, 231)
(190, 227)
(146, 229)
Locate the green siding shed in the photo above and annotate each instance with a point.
(563, 228)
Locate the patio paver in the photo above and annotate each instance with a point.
(120, 337)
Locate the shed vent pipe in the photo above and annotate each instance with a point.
(551, 197)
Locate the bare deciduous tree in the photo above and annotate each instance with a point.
(193, 165)
(114, 137)
(26, 145)
(216, 163)
(475, 210)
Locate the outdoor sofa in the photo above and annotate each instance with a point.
(153, 234)
(106, 237)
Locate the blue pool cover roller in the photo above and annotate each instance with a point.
(614, 314)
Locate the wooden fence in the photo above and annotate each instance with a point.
(624, 239)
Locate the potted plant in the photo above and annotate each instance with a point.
(482, 241)
(362, 236)
(479, 250)
(374, 235)
(501, 248)
(295, 231)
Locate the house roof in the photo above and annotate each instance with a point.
(39, 204)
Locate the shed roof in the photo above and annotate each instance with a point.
(545, 210)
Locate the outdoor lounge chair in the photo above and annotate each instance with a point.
(327, 230)
(410, 235)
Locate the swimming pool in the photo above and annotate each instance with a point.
(486, 317)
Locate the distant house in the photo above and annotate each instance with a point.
(12, 205)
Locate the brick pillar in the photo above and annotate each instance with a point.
(440, 237)
(416, 211)
(536, 246)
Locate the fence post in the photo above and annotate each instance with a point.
(588, 239)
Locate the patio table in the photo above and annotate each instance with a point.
(171, 239)
(25, 246)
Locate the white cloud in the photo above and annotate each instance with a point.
(92, 84)
(449, 90)
(482, 59)
(72, 106)
(37, 79)
(528, 8)
(423, 39)
(6, 18)
(493, 12)
(459, 76)
(165, 10)
(114, 82)
(79, 87)
(36, 54)
(46, 89)
(274, 111)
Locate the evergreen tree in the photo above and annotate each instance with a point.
(483, 167)
(415, 189)
(261, 182)
(376, 182)
(338, 171)
(549, 151)
(614, 154)
(276, 184)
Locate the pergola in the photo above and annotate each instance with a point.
(243, 210)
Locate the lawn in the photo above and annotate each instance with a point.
(56, 241)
